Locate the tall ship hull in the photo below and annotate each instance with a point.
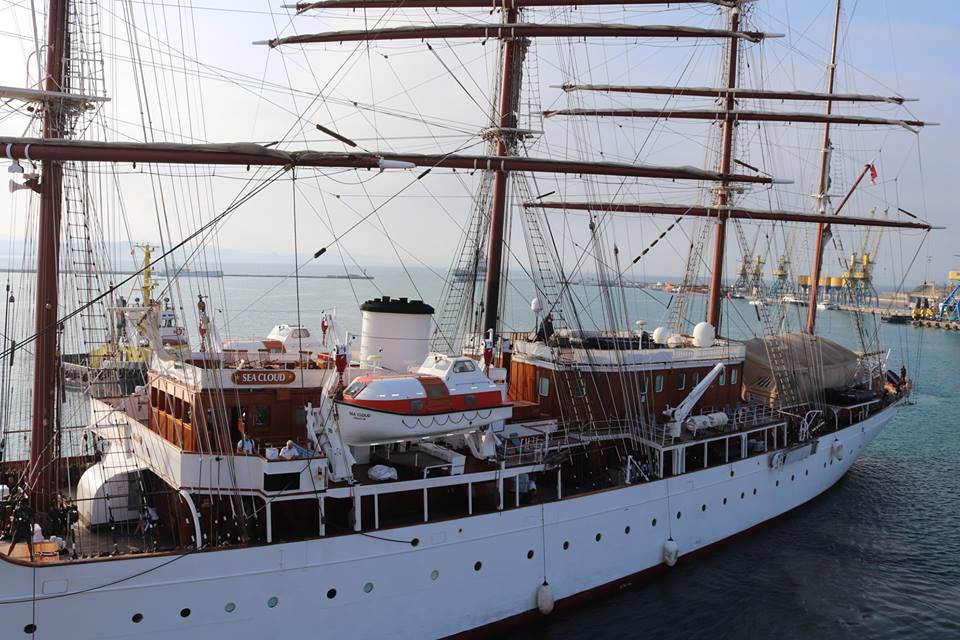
(478, 571)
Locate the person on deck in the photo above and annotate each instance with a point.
(21, 526)
(289, 452)
(245, 445)
(546, 329)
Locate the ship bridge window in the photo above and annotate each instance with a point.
(544, 386)
(355, 388)
(300, 333)
(464, 366)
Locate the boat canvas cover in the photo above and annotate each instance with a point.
(815, 364)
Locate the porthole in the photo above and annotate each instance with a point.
(724, 501)
(679, 514)
(530, 554)
(273, 601)
(831, 461)
(806, 472)
(731, 473)
(792, 477)
(137, 618)
(30, 628)
(415, 542)
(434, 574)
(331, 594)
(184, 613)
(824, 465)
(742, 495)
(566, 545)
(230, 607)
(626, 530)
(368, 587)
(754, 491)
(477, 565)
(703, 507)
(777, 483)
(597, 537)
(654, 523)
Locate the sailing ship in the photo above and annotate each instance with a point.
(450, 475)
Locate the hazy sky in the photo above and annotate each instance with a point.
(186, 70)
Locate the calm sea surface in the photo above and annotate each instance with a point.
(878, 556)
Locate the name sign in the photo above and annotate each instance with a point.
(255, 377)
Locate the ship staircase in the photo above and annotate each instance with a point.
(460, 295)
(545, 266)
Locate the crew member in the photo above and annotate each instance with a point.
(22, 526)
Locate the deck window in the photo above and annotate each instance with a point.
(261, 415)
(544, 386)
(682, 382)
(580, 388)
(733, 376)
(696, 378)
(658, 384)
(722, 378)
(416, 405)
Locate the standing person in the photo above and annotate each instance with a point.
(245, 445)
(22, 526)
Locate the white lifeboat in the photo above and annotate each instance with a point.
(446, 395)
(285, 343)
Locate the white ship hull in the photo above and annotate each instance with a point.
(433, 590)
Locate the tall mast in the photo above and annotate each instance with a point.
(509, 104)
(42, 446)
(823, 229)
(726, 159)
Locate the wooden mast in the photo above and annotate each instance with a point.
(723, 193)
(509, 105)
(823, 229)
(42, 445)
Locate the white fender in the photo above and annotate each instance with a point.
(670, 552)
(545, 600)
(837, 450)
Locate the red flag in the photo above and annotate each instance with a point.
(873, 174)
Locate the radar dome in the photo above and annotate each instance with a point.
(660, 335)
(704, 335)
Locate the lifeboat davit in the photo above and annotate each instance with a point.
(446, 395)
